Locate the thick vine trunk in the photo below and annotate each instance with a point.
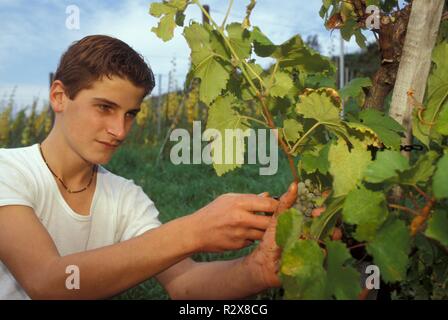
(391, 40)
(415, 62)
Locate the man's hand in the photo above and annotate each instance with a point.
(265, 259)
(230, 222)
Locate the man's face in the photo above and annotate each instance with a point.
(100, 118)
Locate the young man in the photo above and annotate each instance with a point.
(60, 209)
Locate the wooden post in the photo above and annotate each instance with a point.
(415, 61)
(50, 110)
(159, 108)
(204, 17)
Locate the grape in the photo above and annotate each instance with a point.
(307, 194)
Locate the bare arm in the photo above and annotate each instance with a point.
(28, 251)
(232, 279)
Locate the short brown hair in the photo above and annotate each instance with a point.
(96, 56)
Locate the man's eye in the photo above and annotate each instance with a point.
(132, 115)
(103, 107)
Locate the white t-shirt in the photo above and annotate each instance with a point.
(120, 209)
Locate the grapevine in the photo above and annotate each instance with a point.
(345, 203)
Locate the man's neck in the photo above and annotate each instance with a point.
(65, 162)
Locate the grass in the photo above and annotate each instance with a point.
(178, 190)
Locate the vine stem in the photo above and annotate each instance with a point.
(283, 145)
(271, 80)
(418, 221)
(227, 14)
(243, 65)
(402, 208)
(413, 200)
(359, 245)
(422, 193)
(364, 293)
(254, 120)
(304, 136)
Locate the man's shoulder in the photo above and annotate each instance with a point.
(17, 157)
(115, 182)
(17, 152)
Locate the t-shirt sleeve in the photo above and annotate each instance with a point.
(137, 213)
(15, 188)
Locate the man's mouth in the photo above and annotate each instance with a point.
(109, 145)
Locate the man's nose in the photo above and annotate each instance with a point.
(117, 128)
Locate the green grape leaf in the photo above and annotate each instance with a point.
(263, 47)
(342, 281)
(373, 3)
(227, 150)
(347, 166)
(386, 167)
(439, 181)
(322, 224)
(217, 44)
(361, 40)
(421, 171)
(240, 40)
(214, 77)
(361, 128)
(442, 122)
(438, 227)
(302, 272)
(387, 129)
(325, 7)
(170, 11)
(295, 53)
(367, 210)
(292, 129)
(311, 162)
(320, 80)
(390, 250)
(289, 227)
(292, 53)
(281, 85)
(208, 65)
(165, 27)
(354, 88)
(437, 95)
(320, 107)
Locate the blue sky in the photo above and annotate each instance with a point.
(33, 35)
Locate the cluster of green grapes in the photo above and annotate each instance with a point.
(308, 196)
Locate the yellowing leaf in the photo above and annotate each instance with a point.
(347, 166)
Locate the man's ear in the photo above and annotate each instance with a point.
(57, 96)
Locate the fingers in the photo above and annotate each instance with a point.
(257, 222)
(317, 212)
(256, 203)
(264, 194)
(254, 234)
(287, 199)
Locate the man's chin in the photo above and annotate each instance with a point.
(101, 159)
